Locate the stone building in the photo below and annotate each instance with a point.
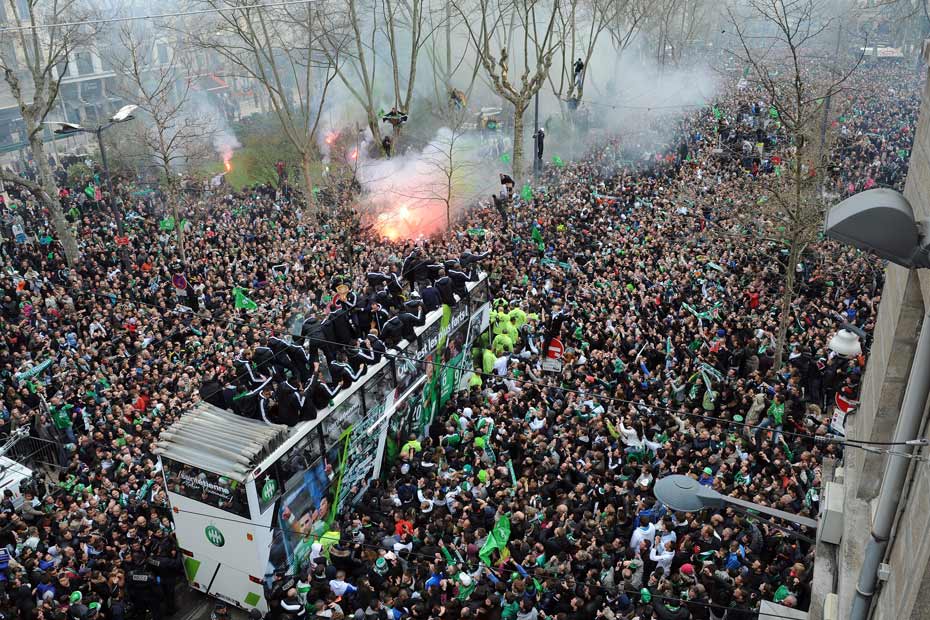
(904, 592)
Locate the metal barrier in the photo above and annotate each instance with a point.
(36, 453)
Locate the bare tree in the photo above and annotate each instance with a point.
(170, 129)
(353, 38)
(33, 67)
(531, 25)
(447, 65)
(581, 25)
(783, 53)
(673, 26)
(448, 158)
(277, 48)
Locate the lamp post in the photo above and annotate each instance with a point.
(685, 494)
(124, 114)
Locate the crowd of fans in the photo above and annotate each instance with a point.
(655, 265)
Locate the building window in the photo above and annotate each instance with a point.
(69, 92)
(61, 68)
(85, 63)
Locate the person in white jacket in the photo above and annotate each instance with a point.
(630, 437)
(662, 555)
(645, 531)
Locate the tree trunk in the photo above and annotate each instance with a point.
(47, 181)
(786, 299)
(306, 165)
(179, 228)
(375, 131)
(518, 112)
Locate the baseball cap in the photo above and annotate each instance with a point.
(708, 471)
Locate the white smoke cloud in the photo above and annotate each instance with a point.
(407, 195)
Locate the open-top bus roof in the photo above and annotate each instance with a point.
(220, 441)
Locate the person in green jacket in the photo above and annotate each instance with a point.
(61, 417)
(774, 417)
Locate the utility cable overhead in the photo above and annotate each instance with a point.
(112, 20)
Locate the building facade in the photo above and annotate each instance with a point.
(903, 592)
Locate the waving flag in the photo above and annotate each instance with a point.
(538, 238)
(497, 540)
(241, 301)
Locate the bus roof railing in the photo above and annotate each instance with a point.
(220, 441)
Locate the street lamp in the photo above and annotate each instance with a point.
(122, 115)
(845, 343)
(881, 221)
(685, 494)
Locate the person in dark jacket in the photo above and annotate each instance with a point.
(290, 403)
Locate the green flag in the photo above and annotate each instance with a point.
(538, 238)
(167, 223)
(89, 191)
(773, 112)
(505, 157)
(316, 191)
(557, 162)
(745, 71)
(241, 301)
(497, 539)
(526, 193)
(717, 113)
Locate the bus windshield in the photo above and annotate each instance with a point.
(206, 487)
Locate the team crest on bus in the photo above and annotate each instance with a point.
(215, 536)
(269, 490)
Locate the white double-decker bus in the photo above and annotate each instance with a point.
(248, 498)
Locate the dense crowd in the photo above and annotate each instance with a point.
(640, 257)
